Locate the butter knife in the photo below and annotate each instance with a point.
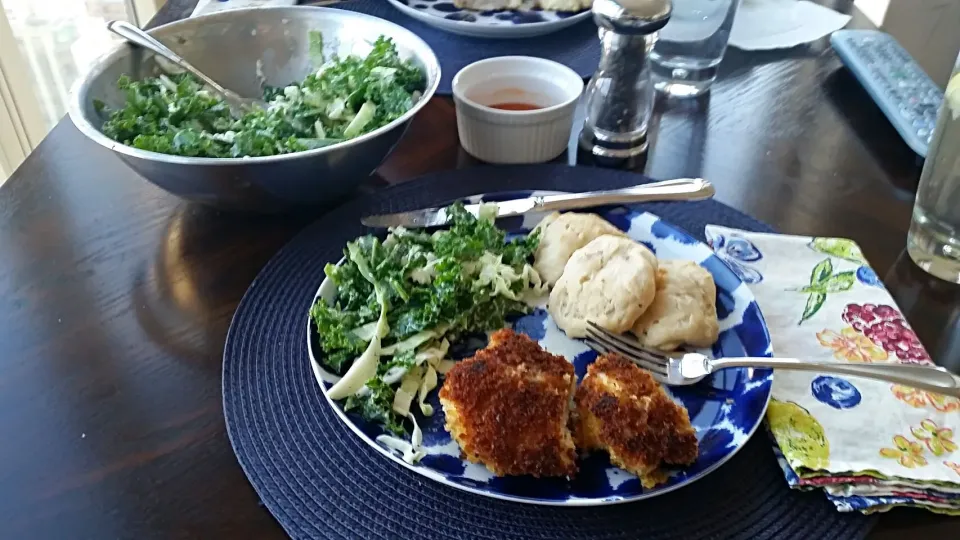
(684, 189)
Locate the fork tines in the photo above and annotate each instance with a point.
(604, 341)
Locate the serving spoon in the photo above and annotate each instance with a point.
(140, 38)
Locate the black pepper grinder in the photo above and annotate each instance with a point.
(619, 97)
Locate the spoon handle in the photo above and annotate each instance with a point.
(138, 37)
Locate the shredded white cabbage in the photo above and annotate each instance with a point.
(291, 92)
(411, 451)
(487, 211)
(364, 116)
(364, 367)
(226, 136)
(413, 341)
(434, 354)
(444, 366)
(384, 73)
(336, 108)
(367, 331)
(407, 391)
(501, 277)
(426, 273)
(167, 84)
(427, 385)
(394, 374)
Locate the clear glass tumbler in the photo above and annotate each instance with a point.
(690, 47)
(934, 238)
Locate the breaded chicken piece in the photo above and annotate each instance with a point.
(508, 407)
(621, 409)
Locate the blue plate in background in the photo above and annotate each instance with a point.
(521, 23)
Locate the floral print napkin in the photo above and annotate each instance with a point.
(869, 445)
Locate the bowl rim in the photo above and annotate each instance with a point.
(79, 119)
(461, 95)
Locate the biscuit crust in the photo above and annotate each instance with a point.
(684, 309)
(563, 234)
(610, 281)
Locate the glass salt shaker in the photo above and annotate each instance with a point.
(619, 97)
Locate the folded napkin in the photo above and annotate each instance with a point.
(212, 6)
(778, 24)
(869, 445)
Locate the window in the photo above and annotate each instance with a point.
(44, 47)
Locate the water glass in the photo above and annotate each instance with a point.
(690, 47)
(934, 238)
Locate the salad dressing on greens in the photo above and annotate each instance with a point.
(402, 301)
(345, 98)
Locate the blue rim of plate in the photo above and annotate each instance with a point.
(726, 409)
(529, 18)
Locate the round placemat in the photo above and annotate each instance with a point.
(321, 481)
(577, 47)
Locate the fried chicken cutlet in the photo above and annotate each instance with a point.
(508, 407)
(622, 410)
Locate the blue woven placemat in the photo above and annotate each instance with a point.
(577, 47)
(321, 481)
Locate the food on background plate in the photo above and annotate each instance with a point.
(345, 98)
(549, 5)
(561, 235)
(484, 5)
(565, 5)
(623, 411)
(610, 281)
(684, 310)
(508, 408)
(399, 304)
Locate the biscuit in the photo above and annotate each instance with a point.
(684, 310)
(610, 281)
(561, 235)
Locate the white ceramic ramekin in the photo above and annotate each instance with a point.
(501, 136)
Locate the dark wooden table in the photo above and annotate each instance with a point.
(115, 297)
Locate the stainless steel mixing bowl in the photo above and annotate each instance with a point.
(227, 46)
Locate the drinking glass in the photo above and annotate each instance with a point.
(934, 238)
(690, 47)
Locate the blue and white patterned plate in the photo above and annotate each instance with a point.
(725, 409)
(522, 23)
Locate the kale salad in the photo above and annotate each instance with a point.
(345, 98)
(400, 303)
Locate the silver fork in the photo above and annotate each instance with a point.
(688, 368)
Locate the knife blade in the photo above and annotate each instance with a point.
(684, 189)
